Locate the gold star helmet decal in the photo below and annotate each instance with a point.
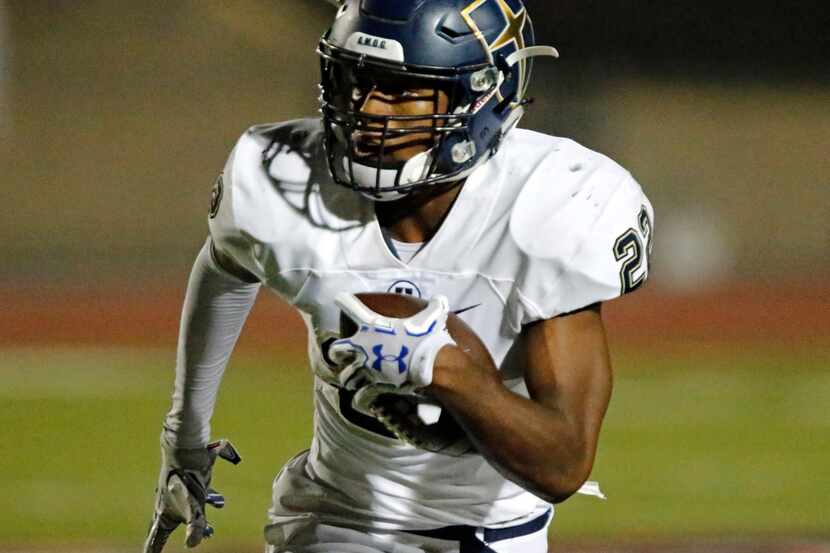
(514, 29)
(512, 33)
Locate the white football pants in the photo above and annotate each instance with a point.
(531, 537)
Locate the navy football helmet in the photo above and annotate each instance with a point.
(474, 55)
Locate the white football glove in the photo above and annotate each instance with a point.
(387, 350)
(183, 490)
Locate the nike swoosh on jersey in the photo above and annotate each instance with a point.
(465, 309)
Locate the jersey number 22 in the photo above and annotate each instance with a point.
(631, 249)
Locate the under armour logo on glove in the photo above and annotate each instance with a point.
(369, 352)
(380, 358)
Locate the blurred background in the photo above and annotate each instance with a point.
(116, 117)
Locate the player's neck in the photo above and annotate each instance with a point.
(416, 218)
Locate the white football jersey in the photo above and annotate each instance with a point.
(545, 227)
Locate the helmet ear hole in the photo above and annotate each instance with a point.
(484, 80)
(463, 151)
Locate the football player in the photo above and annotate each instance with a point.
(416, 181)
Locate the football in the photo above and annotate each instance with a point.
(445, 436)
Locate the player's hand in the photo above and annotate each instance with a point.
(184, 490)
(389, 350)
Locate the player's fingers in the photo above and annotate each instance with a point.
(196, 532)
(429, 413)
(343, 353)
(215, 499)
(224, 450)
(160, 531)
(439, 306)
(355, 310)
(347, 354)
(177, 499)
(365, 396)
(352, 376)
(432, 317)
(197, 526)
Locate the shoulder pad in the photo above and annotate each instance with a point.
(254, 217)
(585, 229)
(563, 199)
(234, 227)
(276, 197)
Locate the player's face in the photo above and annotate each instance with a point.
(390, 100)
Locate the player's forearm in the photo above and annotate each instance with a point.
(534, 445)
(215, 308)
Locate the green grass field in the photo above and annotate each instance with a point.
(717, 445)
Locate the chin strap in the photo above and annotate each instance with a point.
(366, 176)
(412, 171)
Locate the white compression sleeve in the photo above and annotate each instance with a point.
(215, 308)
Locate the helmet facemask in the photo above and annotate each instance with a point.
(392, 155)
